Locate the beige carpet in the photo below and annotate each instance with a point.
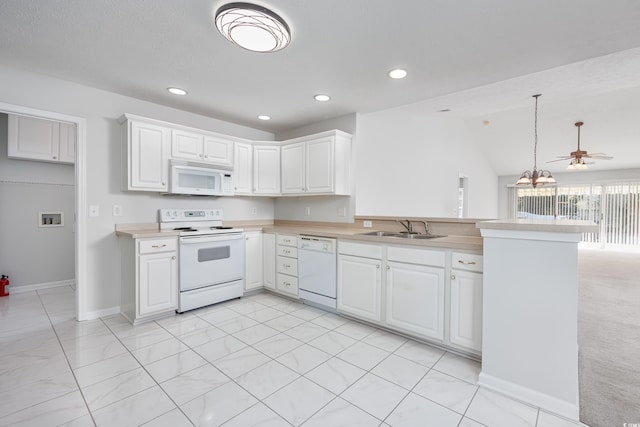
(609, 338)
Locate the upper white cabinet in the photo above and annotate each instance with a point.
(201, 147)
(39, 139)
(146, 150)
(319, 164)
(243, 168)
(266, 170)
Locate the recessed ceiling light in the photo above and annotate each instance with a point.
(253, 27)
(322, 98)
(177, 91)
(264, 117)
(398, 73)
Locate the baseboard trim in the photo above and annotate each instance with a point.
(91, 315)
(40, 286)
(530, 397)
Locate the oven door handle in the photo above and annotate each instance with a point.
(196, 240)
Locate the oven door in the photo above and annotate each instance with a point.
(210, 260)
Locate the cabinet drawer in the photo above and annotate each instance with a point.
(359, 249)
(286, 283)
(288, 251)
(287, 240)
(470, 262)
(287, 265)
(157, 245)
(416, 256)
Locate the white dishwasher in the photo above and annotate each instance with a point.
(317, 270)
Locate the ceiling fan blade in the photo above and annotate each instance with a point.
(601, 157)
(564, 159)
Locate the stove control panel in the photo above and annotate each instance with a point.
(176, 215)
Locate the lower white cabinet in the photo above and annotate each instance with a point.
(253, 275)
(415, 298)
(359, 286)
(269, 260)
(149, 281)
(465, 327)
(287, 264)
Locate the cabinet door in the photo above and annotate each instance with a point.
(157, 283)
(359, 282)
(266, 170)
(150, 147)
(466, 309)
(31, 138)
(186, 145)
(253, 260)
(415, 299)
(67, 143)
(218, 151)
(293, 168)
(269, 260)
(243, 168)
(320, 166)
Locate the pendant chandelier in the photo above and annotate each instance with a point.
(536, 176)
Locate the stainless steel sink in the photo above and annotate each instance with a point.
(379, 233)
(404, 235)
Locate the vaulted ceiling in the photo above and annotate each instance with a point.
(481, 59)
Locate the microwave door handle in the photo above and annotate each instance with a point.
(195, 240)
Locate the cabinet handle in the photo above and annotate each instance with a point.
(286, 266)
(377, 265)
(287, 252)
(287, 284)
(453, 277)
(54, 157)
(173, 257)
(164, 183)
(159, 246)
(388, 268)
(206, 156)
(466, 263)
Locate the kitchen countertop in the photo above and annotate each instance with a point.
(340, 231)
(548, 225)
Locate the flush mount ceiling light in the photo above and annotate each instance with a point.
(536, 177)
(264, 117)
(398, 73)
(322, 98)
(253, 27)
(177, 91)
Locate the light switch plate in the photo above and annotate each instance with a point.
(94, 210)
(117, 210)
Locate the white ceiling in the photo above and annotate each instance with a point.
(483, 59)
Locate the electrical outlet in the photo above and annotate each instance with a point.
(367, 224)
(342, 212)
(307, 210)
(254, 211)
(94, 210)
(117, 210)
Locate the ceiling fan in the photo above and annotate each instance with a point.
(578, 157)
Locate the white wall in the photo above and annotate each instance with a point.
(101, 110)
(30, 254)
(322, 208)
(409, 165)
(568, 178)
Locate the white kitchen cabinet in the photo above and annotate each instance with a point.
(253, 272)
(269, 260)
(149, 278)
(37, 139)
(415, 298)
(146, 151)
(266, 170)
(465, 316)
(243, 168)
(201, 147)
(287, 264)
(318, 164)
(360, 280)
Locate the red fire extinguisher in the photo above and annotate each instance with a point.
(4, 286)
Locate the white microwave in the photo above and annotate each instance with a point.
(199, 179)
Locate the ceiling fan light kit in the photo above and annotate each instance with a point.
(577, 157)
(536, 176)
(253, 27)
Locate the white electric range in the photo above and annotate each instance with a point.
(211, 256)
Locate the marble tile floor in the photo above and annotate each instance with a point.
(261, 360)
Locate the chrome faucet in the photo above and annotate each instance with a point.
(426, 227)
(407, 226)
